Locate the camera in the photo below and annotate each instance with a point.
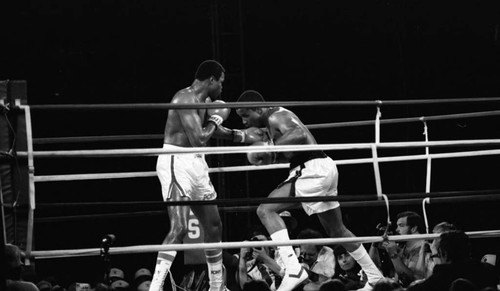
(383, 229)
(249, 254)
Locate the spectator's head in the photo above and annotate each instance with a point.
(144, 286)
(440, 228)
(344, 261)
(142, 279)
(120, 285)
(256, 285)
(332, 285)
(462, 284)
(13, 264)
(309, 253)
(260, 237)
(44, 285)
(409, 222)
(454, 246)
(387, 284)
(443, 226)
(116, 274)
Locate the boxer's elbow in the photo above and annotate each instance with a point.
(200, 139)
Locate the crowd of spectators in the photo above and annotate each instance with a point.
(19, 277)
(444, 263)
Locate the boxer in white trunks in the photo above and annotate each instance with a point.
(185, 176)
(312, 174)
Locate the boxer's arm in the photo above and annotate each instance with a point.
(291, 132)
(223, 133)
(192, 124)
(242, 275)
(291, 129)
(249, 136)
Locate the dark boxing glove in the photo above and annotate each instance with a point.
(249, 135)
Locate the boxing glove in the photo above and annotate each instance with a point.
(261, 158)
(218, 115)
(249, 135)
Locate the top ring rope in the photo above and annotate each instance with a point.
(249, 244)
(260, 149)
(148, 106)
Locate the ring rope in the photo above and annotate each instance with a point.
(246, 149)
(494, 193)
(249, 244)
(104, 138)
(404, 120)
(139, 106)
(121, 175)
(238, 209)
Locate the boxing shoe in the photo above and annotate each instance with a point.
(292, 280)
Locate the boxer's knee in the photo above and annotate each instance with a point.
(264, 211)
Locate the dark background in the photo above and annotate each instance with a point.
(100, 52)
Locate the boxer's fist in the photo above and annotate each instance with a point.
(218, 115)
(261, 158)
(249, 135)
(254, 134)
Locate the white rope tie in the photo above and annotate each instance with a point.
(425, 201)
(429, 159)
(377, 122)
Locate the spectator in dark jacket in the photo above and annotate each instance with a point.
(454, 252)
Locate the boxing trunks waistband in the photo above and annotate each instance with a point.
(194, 155)
(301, 157)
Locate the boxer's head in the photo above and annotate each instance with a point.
(212, 72)
(251, 117)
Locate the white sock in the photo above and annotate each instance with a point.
(163, 264)
(214, 263)
(366, 263)
(287, 253)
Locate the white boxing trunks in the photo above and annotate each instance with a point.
(316, 178)
(187, 171)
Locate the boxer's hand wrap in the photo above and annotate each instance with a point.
(239, 136)
(217, 119)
